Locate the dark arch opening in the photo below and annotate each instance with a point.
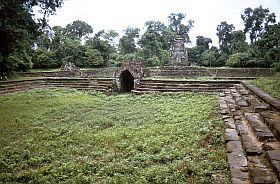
(127, 81)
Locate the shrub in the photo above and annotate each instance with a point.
(238, 60)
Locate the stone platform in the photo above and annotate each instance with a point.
(252, 134)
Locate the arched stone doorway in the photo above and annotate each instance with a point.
(127, 81)
(129, 75)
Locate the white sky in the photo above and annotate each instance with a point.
(120, 14)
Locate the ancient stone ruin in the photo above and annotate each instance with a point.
(251, 117)
(129, 75)
(69, 67)
(178, 53)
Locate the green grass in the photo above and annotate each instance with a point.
(269, 84)
(69, 136)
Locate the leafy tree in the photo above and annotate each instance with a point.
(43, 58)
(238, 60)
(110, 37)
(202, 43)
(127, 43)
(81, 55)
(151, 44)
(57, 37)
(194, 55)
(103, 47)
(209, 58)
(166, 36)
(18, 30)
(78, 29)
(224, 33)
(256, 21)
(269, 45)
(177, 26)
(238, 42)
(222, 58)
(44, 40)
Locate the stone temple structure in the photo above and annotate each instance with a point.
(129, 75)
(178, 53)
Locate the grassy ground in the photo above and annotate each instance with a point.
(68, 136)
(269, 84)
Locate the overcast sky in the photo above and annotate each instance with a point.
(120, 14)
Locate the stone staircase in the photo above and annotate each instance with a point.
(21, 85)
(98, 84)
(207, 86)
(252, 134)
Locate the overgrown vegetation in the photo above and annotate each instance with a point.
(269, 84)
(68, 136)
(26, 43)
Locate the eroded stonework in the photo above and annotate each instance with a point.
(178, 53)
(131, 70)
(69, 67)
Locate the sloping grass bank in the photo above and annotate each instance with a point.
(269, 84)
(69, 136)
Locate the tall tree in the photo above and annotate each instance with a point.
(238, 42)
(101, 46)
(166, 36)
(177, 26)
(256, 21)
(127, 43)
(269, 44)
(224, 33)
(202, 43)
(57, 37)
(151, 44)
(110, 36)
(78, 29)
(18, 29)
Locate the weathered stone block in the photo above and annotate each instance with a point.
(271, 146)
(260, 129)
(241, 102)
(233, 146)
(261, 107)
(239, 177)
(244, 92)
(231, 135)
(262, 175)
(229, 124)
(270, 115)
(237, 159)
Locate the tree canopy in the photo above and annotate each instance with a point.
(256, 21)
(28, 42)
(177, 26)
(224, 33)
(18, 31)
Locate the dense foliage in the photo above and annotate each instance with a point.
(68, 136)
(34, 44)
(18, 31)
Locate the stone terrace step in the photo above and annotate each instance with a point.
(261, 130)
(151, 86)
(100, 84)
(230, 82)
(274, 159)
(251, 130)
(144, 90)
(180, 87)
